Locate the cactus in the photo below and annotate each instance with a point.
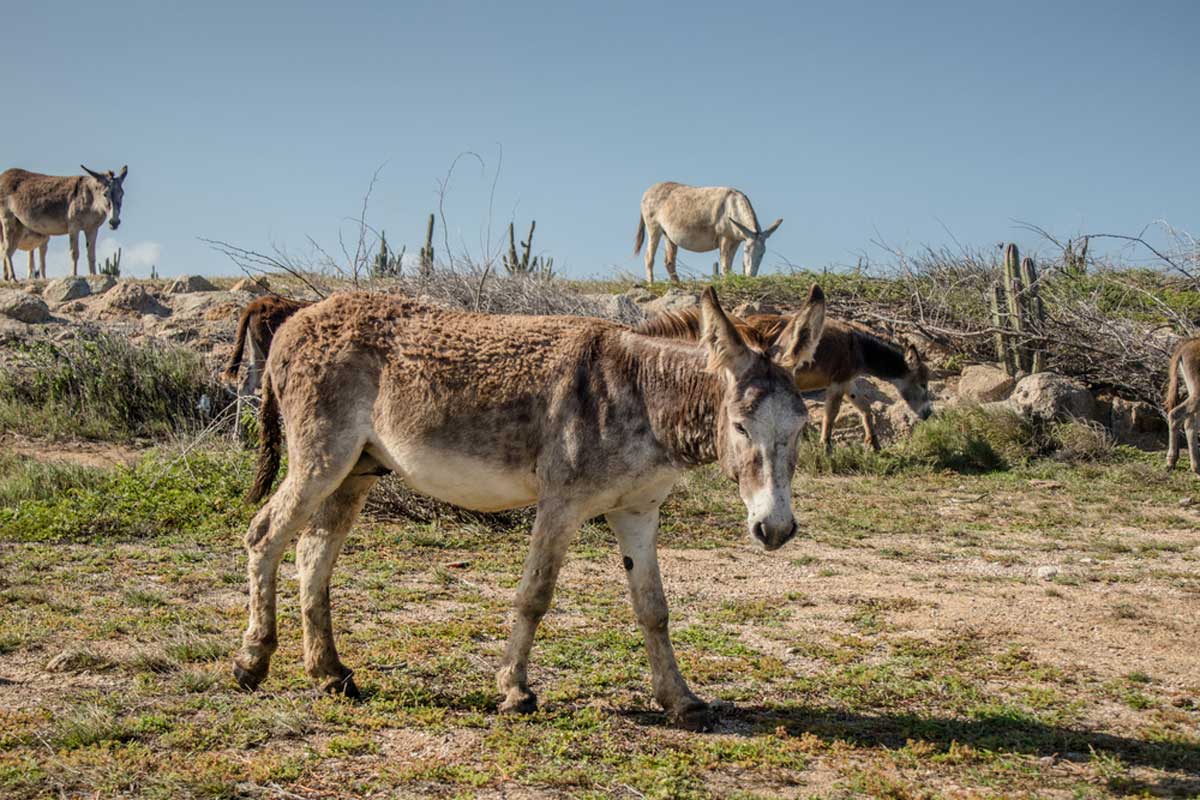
(1017, 314)
(427, 250)
(524, 263)
(112, 265)
(387, 264)
(1075, 264)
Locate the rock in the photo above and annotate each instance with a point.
(674, 300)
(128, 298)
(754, 307)
(64, 289)
(1047, 573)
(1133, 421)
(1184, 502)
(185, 284)
(23, 307)
(619, 307)
(639, 295)
(200, 303)
(1048, 395)
(11, 329)
(983, 383)
(99, 284)
(256, 287)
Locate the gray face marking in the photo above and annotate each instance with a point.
(753, 254)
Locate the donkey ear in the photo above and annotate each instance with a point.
(767, 233)
(912, 357)
(726, 348)
(95, 175)
(798, 340)
(749, 234)
(124, 171)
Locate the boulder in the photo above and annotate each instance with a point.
(99, 284)
(256, 287)
(190, 283)
(674, 300)
(754, 307)
(64, 289)
(1048, 395)
(639, 295)
(1132, 421)
(200, 303)
(619, 307)
(983, 383)
(128, 298)
(23, 307)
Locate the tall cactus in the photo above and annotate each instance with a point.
(427, 250)
(111, 265)
(1018, 314)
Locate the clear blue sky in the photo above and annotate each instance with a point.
(262, 126)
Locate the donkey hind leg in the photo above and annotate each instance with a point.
(1175, 425)
(637, 534)
(316, 553)
(32, 265)
(653, 234)
(273, 528)
(670, 253)
(833, 404)
(42, 258)
(553, 528)
(12, 232)
(1190, 431)
(863, 406)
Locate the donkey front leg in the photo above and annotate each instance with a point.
(89, 236)
(316, 553)
(637, 534)
(553, 529)
(833, 404)
(728, 248)
(654, 233)
(73, 243)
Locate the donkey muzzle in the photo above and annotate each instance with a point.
(773, 537)
(114, 223)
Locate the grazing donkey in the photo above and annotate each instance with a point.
(1185, 359)
(49, 205)
(844, 352)
(700, 219)
(577, 416)
(30, 242)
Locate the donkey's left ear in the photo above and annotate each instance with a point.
(798, 340)
(123, 173)
(727, 350)
(771, 228)
(912, 357)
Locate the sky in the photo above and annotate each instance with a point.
(912, 124)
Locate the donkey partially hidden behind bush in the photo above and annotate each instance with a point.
(844, 352)
(1186, 361)
(578, 416)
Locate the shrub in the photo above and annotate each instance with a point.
(100, 386)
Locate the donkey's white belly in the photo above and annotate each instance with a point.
(474, 483)
(696, 239)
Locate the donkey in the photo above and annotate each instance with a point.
(700, 219)
(577, 416)
(1185, 359)
(30, 242)
(844, 352)
(49, 205)
(260, 319)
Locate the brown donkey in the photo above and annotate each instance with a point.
(577, 416)
(260, 319)
(1185, 359)
(844, 352)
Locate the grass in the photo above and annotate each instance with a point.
(100, 386)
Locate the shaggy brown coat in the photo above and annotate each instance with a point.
(1185, 361)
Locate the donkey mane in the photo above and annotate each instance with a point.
(883, 359)
(685, 324)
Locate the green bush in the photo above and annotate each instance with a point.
(102, 387)
(971, 439)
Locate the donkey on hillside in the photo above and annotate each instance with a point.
(577, 416)
(700, 219)
(844, 352)
(30, 242)
(49, 205)
(1185, 360)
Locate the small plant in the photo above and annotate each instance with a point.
(112, 265)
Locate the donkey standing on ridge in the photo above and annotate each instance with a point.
(49, 205)
(1186, 360)
(30, 242)
(844, 352)
(577, 416)
(700, 219)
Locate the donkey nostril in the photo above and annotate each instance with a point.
(791, 532)
(759, 532)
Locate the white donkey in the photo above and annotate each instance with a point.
(701, 219)
(31, 243)
(50, 205)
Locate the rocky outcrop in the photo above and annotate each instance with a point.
(673, 300)
(1050, 396)
(65, 289)
(984, 383)
(190, 283)
(23, 307)
(129, 298)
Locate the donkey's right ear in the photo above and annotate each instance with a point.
(95, 175)
(798, 341)
(726, 348)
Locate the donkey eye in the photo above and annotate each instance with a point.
(740, 428)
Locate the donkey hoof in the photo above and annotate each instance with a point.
(523, 703)
(344, 686)
(696, 716)
(246, 680)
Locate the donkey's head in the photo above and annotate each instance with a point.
(113, 192)
(913, 385)
(755, 244)
(761, 413)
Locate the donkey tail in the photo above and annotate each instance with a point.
(235, 359)
(641, 235)
(1173, 380)
(270, 437)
